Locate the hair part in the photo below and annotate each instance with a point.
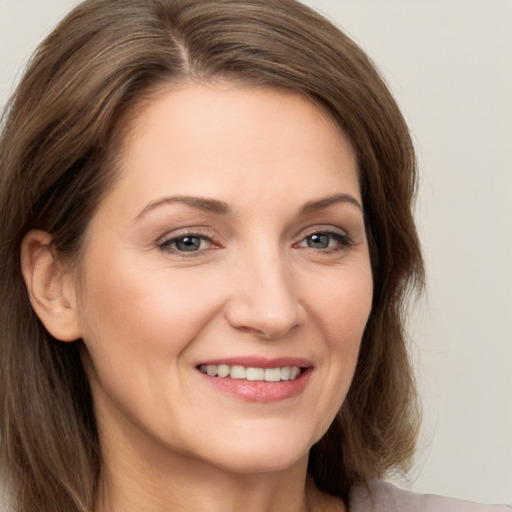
(59, 153)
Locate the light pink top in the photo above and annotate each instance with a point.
(384, 497)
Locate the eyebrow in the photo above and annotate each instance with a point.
(201, 203)
(325, 202)
(221, 208)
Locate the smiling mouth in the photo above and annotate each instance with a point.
(285, 373)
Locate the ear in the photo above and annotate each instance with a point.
(51, 289)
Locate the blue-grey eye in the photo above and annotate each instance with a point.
(191, 243)
(319, 240)
(188, 243)
(325, 240)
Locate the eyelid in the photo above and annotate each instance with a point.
(179, 238)
(322, 228)
(200, 231)
(328, 228)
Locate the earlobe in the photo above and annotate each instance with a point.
(51, 294)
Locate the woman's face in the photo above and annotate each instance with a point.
(231, 248)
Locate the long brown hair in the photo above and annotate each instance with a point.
(57, 158)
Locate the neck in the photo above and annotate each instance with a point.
(193, 486)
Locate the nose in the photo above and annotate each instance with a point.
(264, 299)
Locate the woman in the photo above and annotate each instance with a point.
(207, 244)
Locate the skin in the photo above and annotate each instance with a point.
(260, 283)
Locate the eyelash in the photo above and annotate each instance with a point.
(343, 242)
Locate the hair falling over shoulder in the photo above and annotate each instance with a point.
(60, 134)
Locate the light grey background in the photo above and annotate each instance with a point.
(449, 63)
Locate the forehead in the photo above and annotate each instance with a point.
(227, 141)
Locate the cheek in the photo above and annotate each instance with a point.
(137, 326)
(128, 306)
(341, 313)
(343, 308)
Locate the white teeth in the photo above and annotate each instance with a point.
(285, 373)
(272, 374)
(255, 374)
(251, 373)
(223, 370)
(237, 372)
(211, 370)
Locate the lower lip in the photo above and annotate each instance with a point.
(260, 391)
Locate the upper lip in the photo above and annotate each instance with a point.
(260, 362)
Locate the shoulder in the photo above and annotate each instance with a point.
(384, 497)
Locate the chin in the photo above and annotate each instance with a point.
(261, 463)
(250, 453)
